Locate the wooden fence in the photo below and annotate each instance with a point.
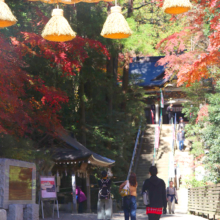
(205, 201)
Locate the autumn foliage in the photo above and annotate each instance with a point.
(203, 113)
(193, 53)
(69, 56)
(21, 112)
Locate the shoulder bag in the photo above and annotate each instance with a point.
(146, 198)
(125, 190)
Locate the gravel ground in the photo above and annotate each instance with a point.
(120, 216)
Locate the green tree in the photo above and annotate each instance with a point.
(211, 134)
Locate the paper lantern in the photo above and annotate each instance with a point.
(6, 17)
(176, 6)
(58, 29)
(116, 27)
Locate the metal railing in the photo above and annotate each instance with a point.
(134, 151)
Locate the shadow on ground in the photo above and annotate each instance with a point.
(120, 216)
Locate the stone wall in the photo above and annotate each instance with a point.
(3, 214)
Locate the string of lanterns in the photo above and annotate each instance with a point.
(115, 27)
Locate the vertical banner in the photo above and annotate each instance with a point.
(152, 116)
(161, 99)
(171, 166)
(157, 136)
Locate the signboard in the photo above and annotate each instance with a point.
(20, 183)
(48, 187)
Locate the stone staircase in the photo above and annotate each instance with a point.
(162, 160)
(144, 157)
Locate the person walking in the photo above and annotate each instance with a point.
(181, 124)
(129, 202)
(170, 113)
(180, 139)
(172, 197)
(156, 189)
(104, 206)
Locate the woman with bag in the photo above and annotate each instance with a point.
(128, 190)
(81, 197)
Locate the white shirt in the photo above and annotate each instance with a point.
(171, 191)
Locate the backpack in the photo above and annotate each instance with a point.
(104, 192)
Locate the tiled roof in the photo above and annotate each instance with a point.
(146, 72)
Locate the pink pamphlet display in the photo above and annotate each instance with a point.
(48, 187)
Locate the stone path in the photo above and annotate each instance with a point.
(120, 216)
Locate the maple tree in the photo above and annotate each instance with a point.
(22, 113)
(193, 53)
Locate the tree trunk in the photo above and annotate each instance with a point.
(125, 80)
(82, 114)
(130, 8)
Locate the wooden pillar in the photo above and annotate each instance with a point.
(74, 192)
(88, 192)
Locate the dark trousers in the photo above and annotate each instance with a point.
(80, 207)
(153, 216)
(171, 121)
(130, 206)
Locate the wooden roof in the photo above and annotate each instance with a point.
(78, 152)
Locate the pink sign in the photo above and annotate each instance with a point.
(48, 187)
(157, 137)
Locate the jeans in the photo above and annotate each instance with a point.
(181, 144)
(130, 206)
(153, 216)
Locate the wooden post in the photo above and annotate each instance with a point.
(88, 192)
(74, 192)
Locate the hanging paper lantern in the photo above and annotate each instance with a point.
(6, 17)
(58, 29)
(176, 6)
(116, 27)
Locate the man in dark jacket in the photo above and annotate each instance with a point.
(157, 195)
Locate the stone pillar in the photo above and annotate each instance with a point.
(15, 212)
(157, 113)
(31, 212)
(3, 214)
(88, 192)
(74, 192)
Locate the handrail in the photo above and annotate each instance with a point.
(134, 151)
